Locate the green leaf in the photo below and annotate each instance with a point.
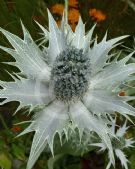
(132, 161)
(26, 53)
(5, 161)
(2, 143)
(72, 166)
(18, 152)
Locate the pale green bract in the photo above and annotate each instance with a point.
(90, 111)
(120, 144)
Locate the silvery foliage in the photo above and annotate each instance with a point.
(90, 111)
(119, 144)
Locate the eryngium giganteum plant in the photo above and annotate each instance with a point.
(119, 144)
(70, 84)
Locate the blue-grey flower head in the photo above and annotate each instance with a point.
(74, 84)
(70, 74)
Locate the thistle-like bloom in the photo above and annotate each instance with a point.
(119, 144)
(72, 84)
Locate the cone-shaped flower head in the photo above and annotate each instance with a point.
(71, 84)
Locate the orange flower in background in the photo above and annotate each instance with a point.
(73, 14)
(73, 3)
(122, 93)
(38, 18)
(59, 23)
(58, 9)
(16, 129)
(97, 15)
(73, 17)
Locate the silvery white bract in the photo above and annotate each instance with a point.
(75, 84)
(119, 144)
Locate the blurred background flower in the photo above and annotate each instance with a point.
(73, 3)
(73, 18)
(97, 15)
(73, 13)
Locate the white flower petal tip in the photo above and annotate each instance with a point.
(122, 158)
(53, 119)
(45, 31)
(27, 55)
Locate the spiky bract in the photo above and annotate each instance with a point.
(119, 144)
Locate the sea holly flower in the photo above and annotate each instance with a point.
(68, 84)
(119, 144)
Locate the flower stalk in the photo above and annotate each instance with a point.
(66, 11)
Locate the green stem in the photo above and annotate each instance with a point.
(3, 122)
(52, 160)
(66, 11)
